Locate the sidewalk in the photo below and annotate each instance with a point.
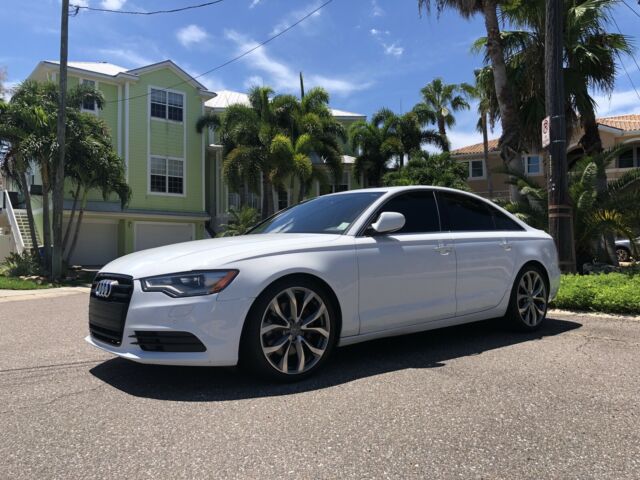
(17, 295)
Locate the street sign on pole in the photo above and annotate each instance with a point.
(546, 132)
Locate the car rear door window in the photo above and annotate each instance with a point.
(461, 213)
(419, 209)
(503, 222)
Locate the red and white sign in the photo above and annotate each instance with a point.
(546, 132)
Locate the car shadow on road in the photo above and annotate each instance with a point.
(423, 350)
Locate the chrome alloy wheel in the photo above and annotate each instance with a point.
(295, 330)
(532, 298)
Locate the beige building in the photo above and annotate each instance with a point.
(614, 131)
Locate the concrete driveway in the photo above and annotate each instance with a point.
(467, 402)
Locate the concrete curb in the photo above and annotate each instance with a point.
(574, 313)
(20, 295)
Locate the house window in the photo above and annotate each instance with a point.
(625, 159)
(166, 175)
(476, 168)
(283, 199)
(532, 165)
(343, 186)
(89, 104)
(167, 105)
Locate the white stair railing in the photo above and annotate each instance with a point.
(15, 230)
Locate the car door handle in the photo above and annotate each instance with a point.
(506, 245)
(443, 249)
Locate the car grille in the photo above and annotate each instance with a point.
(168, 341)
(107, 315)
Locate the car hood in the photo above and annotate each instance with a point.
(212, 253)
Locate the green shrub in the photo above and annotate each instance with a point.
(611, 293)
(16, 265)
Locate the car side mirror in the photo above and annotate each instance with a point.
(388, 222)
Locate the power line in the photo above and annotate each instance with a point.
(77, 8)
(631, 8)
(622, 63)
(238, 57)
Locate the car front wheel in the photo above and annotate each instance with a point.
(290, 330)
(529, 298)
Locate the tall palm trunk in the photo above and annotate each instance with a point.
(485, 149)
(46, 222)
(442, 130)
(267, 196)
(76, 233)
(24, 186)
(510, 147)
(67, 232)
(303, 190)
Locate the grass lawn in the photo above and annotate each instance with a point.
(12, 283)
(611, 293)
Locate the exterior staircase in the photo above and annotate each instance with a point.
(23, 225)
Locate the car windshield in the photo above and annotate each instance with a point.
(326, 214)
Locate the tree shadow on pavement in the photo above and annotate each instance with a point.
(422, 350)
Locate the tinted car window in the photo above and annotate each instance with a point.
(419, 210)
(503, 222)
(464, 214)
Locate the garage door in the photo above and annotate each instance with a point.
(151, 235)
(97, 243)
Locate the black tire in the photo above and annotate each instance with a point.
(514, 317)
(252, 354)
(623, 254)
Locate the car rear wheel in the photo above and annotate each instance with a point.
(623, 254)
(290, 330)
(529, 299)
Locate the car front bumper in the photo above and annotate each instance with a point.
(216, 323)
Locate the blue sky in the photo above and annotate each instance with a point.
(366, 53)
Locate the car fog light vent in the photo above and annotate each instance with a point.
(154, 341)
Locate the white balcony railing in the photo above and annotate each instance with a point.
(15, 230)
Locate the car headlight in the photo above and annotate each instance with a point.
(189, 284)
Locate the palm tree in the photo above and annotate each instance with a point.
(407, 134)
(37, 103)
(591, 55)
(482, 91)
(91, 164)
(439, 102)
(597, 214)
(377, 144)
(510, 140)
(240, 222)
(247, 134)
(310, 115)
(14, 126)
(426, 168)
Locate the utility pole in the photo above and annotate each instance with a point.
(560, 211)
(58, 171)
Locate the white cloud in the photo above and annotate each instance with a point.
(376, 10)
(81, 3)
(619, 103)
(191, 34)
(8, 88)
(393, 49)
(254, 3)
(296, 15)
(376, 32)
(253, 81)
(213, 83)
(281, 76)
(113, 4)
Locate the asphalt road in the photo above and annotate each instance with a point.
(467, 402)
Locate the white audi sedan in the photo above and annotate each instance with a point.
(336, 270)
